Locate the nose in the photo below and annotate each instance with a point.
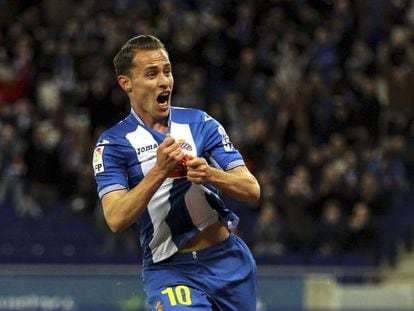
(165, 81)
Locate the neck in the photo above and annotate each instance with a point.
(160, 125)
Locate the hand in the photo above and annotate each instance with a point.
(198, 170)
(169, 155)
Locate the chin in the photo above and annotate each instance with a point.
(164, 108)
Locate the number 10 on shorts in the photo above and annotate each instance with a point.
(178, 295)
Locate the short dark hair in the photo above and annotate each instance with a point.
(123, 59)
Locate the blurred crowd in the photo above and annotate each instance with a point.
(318, 95)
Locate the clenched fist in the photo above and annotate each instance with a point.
(198, 170)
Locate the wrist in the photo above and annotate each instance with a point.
(213, 176)
(158, 173)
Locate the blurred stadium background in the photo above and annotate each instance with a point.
(317, 94)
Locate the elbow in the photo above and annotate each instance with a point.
(253, 193)
(115, 225)
(116, 216)
(115, 228)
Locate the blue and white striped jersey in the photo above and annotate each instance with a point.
(179, 209)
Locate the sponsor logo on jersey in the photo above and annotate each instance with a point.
(184, 145)
(225, 139)
(141, 150)
(98, 165)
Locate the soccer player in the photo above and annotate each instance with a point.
(161, 167)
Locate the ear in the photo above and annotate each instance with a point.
(125, 83)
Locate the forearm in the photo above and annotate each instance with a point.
(239, 183)
(123, 208)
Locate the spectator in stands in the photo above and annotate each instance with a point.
(16, 72)
(297, 198)
(42, 158)
(409, 151)
(389, 169)
(331, 230)
(270, 233)
(372, 195)
(330, 185)
(361, 233)
(12, 167)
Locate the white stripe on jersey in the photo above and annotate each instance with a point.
(161, 245)
(183, 132)
(141, 139)
(200, 211)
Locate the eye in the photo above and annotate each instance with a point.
(167, 71)
(151, 74)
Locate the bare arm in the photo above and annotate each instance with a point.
(123, 207)
(238, 182)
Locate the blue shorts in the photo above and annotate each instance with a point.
(220, 277)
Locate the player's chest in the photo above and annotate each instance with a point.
(143, 145)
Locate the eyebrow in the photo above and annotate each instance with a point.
(156, 67)
(151, 68)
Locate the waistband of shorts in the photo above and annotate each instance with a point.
(204, 253)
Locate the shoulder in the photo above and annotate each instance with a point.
(117, 133)
(189, 115)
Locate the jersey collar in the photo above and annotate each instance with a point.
(136, 116)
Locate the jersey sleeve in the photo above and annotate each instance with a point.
(219, 149)
(110, 167)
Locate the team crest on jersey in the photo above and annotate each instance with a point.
(98, 165)
(184, 145)
(159, 306)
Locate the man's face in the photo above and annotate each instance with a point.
(151, 84)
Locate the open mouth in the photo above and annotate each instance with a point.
(162, 98)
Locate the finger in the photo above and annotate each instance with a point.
(168, 141)
(178, 154)
(194, 178)
(195, 162)
(170, 147)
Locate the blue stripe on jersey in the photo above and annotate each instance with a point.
(146, 233)
(226, 215)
